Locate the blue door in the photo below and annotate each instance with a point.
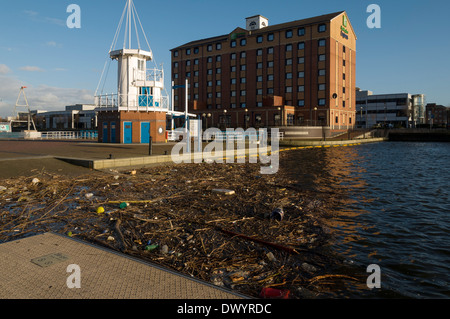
(113, 132)
(105, 132)
(145, 132)
(127, 132)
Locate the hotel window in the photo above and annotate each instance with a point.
(259, 52)
(322, 28)
(195, 96)
(259, 91)
(188, 74)
(233, 43)
(210, 72)
(322, 87)
(322, 102)
(243, 42)
(218, 94)
(243, 80)
(270, 37)
(218, 58)
(218, 106)
(219, 46)
(270, 50)
(343, 90)
(233, 68)
(322, 42)
(243, 55)
(301, 74)
(243, 67)
(301, 103)
(218, 82)
(196, 62)
(209, 107)
(243, 105)
(343, 103)
(233, 93)
(288, 76)
(270, 64)
(322, 72)
(188, 51)
(209, 83)
(259, 65)
(259, 78)
(322, 57)
(270, 91)
(175, 53)
(301, 88)
(288, 47)
(343, 76)
(270, 77)
(301, 32)
(337, 120)
(288, 89)
(195, 73)
(209, 59)
(259, 39)
(209, 48)
(233, 105)
(233, 81)
(343, 62)
(175, 65)
(301, 60)
(188, 62)
(175, 76)
(218, 71)
(259, 104)
(195, 50)
(243, 93)
(301, 46)
(343, 49)
(233, 56)
(288, 34)
(288, 61)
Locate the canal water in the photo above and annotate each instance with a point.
(393, 211)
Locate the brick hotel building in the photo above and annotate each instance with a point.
(300, 73)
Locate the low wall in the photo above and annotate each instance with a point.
(420, 136)
(288, 142)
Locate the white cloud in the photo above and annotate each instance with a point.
(31, 68)
(4, 69)
(42, 97)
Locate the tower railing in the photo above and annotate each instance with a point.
(140, 103)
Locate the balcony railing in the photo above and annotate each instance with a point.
(140, 103)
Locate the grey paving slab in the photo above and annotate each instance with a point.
(38, 268)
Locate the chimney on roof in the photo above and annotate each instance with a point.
(256, 22)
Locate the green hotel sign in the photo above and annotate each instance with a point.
(344, 25)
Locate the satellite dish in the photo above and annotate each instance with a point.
(335, 96)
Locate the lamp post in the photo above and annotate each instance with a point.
(225, 118)
(315, 116)
(246, 118)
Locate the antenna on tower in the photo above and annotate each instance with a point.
(26, 105)
(131, 18)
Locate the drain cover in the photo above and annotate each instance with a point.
(46, 261)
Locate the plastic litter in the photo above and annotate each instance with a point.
(100, 210)
(277, 214)
(274, 293)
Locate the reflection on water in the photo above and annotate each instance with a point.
(392, 210)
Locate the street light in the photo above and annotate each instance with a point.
(315, 116)
(246, 118)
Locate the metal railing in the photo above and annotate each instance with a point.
(66, 135)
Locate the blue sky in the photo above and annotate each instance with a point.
(61, 66)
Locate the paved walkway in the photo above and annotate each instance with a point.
(36, 268)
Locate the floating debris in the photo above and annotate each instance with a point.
(175, 218)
